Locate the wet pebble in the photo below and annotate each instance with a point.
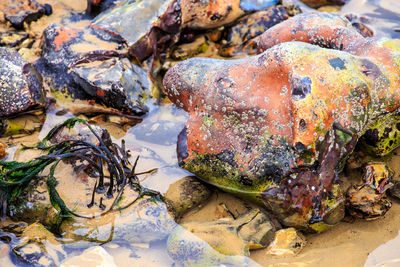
(286, 242)
(185, 194)
(18, 12)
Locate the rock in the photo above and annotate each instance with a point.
(20, 85)
(212, 14)
(266, 128)
(18, 12)
(286, 242)
(359, 22)
(39, 247)
(240, 37)
(330, 9)
(219, 236)
(365, 203)
(87, 65)
(94, 256)
(186, 248)
(116, 83)
(95, 7)
(3, 152)
(320, 3)
(154, 20)
(369, 200)
(185, 194)
(12, 38)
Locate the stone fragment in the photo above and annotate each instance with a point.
(185, 194)
(368, 201)
(211, 14)
(94, 256)
(20, 85)
(188, 249)
(240, 37)
(3, 152)
(84, 65)
(18, 12)
(320, 3)
(286, 242)
(12, 38)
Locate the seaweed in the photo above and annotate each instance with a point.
(16, 176)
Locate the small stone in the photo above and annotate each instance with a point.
(12, 38)
(368, 201)
(3, 152)
(185, 194)
(94, 256)
(286, 242)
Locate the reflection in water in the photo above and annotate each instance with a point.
(386, 255)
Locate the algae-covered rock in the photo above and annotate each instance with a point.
(20, 84)
(368, 201)
(223, 240)
(186, 194)
(320, 3)
(267, 128)
(211, 14)
(241, 38)
(117, 83)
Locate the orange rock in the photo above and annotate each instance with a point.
(276, 127)
(3, 152)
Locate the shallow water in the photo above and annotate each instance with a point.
(374, 243)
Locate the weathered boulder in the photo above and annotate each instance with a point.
(267, 127)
